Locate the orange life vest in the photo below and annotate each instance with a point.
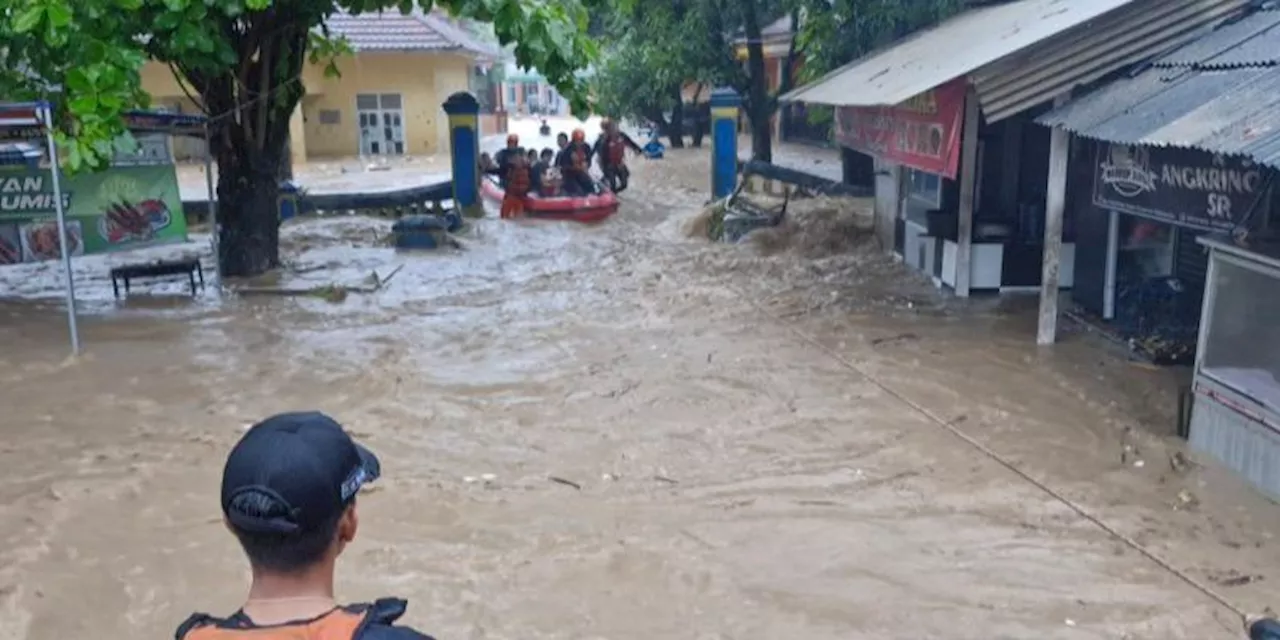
(518, 179)
(339, 624)
(579, 157)
(615, 149)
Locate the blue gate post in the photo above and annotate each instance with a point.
(464, 148)
(725, 104)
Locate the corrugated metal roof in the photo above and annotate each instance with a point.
(394, 31)
(949, 50)
(1251, 41)
(1089, 52)
(1230, 111)
(1023, 53)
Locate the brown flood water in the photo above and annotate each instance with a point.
(734, 481)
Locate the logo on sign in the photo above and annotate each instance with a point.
(1128, 171)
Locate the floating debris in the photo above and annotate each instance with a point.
(567, 483)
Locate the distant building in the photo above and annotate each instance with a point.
(386, 100)
(526, 92)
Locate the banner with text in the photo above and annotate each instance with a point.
(922, 133)
(118, 209)
(1189, 188)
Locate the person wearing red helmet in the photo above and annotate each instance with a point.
(611, 148)
(502, 159)
(575, 165)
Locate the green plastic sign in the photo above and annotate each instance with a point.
(120, 209)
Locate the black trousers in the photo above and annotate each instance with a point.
(617, 177)
(578, 183)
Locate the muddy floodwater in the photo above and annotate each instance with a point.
(618, 432)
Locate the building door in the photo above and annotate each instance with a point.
(381, 121)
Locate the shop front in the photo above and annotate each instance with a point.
(921, 144)
(1141, 270)
(1236, 412)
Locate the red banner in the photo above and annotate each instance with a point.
(922, 133)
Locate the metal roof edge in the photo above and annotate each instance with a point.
(1168, 145)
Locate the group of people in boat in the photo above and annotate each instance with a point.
(565, 172)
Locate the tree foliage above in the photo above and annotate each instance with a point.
(835, 32)
(245, 54)
(655, 49)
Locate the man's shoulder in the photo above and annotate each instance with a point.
(377, 631)
(380, 623)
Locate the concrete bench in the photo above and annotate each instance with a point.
(157, 269)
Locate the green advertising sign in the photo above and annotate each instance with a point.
(118, 209)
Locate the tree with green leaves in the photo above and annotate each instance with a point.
(242, 61)
(656, 49)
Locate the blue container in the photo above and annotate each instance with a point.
(287, 200)
(420, 232)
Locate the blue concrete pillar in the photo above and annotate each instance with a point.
(725, 104)
(464, 148)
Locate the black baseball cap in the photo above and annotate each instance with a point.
(304, 461)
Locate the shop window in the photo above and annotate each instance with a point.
(1146, 249)
(1241, 347)
(925, 187)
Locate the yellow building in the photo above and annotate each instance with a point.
(387, 99)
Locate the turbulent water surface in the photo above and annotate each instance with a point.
(614, 432)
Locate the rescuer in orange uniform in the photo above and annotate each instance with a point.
(289, 496)
(611, 148)
(519, 181)
(575, 165)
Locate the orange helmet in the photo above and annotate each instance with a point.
(579, 135)
(513, 140)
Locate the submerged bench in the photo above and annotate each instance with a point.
(157, 269)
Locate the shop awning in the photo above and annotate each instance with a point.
(1019, 54)
(1219, 94)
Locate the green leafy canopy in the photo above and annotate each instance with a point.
(240, 50)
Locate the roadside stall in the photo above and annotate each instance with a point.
(45, 215)
(1236, 415)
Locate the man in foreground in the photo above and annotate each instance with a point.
(289, 496)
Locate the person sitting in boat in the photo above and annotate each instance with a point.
(487, 165)
(552, 183)
(562, 141)
(544, 162)
(518, 182)
(611, 147)
(575, 165)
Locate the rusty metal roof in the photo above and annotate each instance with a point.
(1190, 99)
(416, 31)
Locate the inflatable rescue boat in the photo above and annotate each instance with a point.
(592, 208)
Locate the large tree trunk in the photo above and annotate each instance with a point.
(254, 99)
(758, 103)
(249, 241)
